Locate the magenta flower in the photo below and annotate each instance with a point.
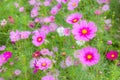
(44, 63)
(105, 7)
(45, 29)
(109, 42)
(112, 55)
(21, 9)
(34, 12)
(47, 2)
(84, 31)
(74, 18)
(37, 20)
(38, 38)
(73, 4)
(98, 12)
(32, 2)
(45, 52)
(89, 56)
(25, 34)
(48, 77)
(14, 36)
(31, 24)
(7, 55)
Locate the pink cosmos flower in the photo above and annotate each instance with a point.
(44, 63)
(31, 24)
(32, 62)
(47, 2)
(17, 72)
(97, 12)
(69, 61)
(2, 47)
(53, 27)
(49, 19)
(37, 20)
(32, 2)
(103, 1)
(84, 31)
(105, 7)
(109, 42)
(16, 4)
(38, 38)
(48, 77)
(74, 18)
(73, 4)
(45, 51)
(21, 9)
(1, 78)
(14, 36)
(45, 29)
(89, 56)
(63, 64)
(34, 12)
(66, 31)
(55, 9)
(7, 55)
(112, 55)
(25, 34)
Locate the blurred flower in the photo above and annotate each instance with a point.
(11, 63)
(45, 52)
(45, 29)
(62, 64)
(69, 61)
(31, 24)
(48, 77)
(67, 31)
(21, 9)
(14, 36)
(76, 62)
(38, 38)
(53, 27)
(34, 12)
(60, 31)
(109, 42)
(1, 78)
(84, 31)
(112, 55)
(76, 53)
(44, 63)
(108, 21)
(3, 22)
(47, 2)
(17, 72)
(32, 2)
(105, 7)
(2, 47)
(102, 1)
(37, 20)
(74, 18)
(11, 19)
(16, 4)
(89, 56)
(80, 42)
(7, 55)
(24, 34)
(55, 49)
(36, 54)
(73, 4)
(33, 62)
(98, 12)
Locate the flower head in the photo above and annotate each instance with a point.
(44, 63)
(24, 34)
(89, 56)
(38, 38)
(14, 36)
(112, 55)
(73, 4)
(84, 31)
(48, 77)
(74, 18)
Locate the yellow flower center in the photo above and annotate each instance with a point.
(84, 31)
(74, 4)
(44, 64)
(75, 20)
(112, 55)
(89, 56)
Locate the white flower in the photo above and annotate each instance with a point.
(3, 22)
(80, 43)
(60, 31)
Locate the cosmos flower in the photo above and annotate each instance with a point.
(7, 55)
(31, 24)
(73, 4)
(109, 42)
(74, 18)
(37, 20)
(38, 38)
(48, 77)
(67, 31)
(36, 54)
(24, 34)
(84, 31)
(47, 2)
(32, 2)
(105, 7)
(3, 22)
(89, 56)
(53, 27)
(98, 12)
(103, 1)
(45, 51)
(112, 55)
(2, 47)
(17, 72)
(69, 61)
(21, 9)
(14, 36)
(45, 29)
(34, 12)
(44, 63)
(16, 4)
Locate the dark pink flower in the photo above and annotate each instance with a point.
(112, 55)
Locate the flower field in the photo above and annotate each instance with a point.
(59, 39)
